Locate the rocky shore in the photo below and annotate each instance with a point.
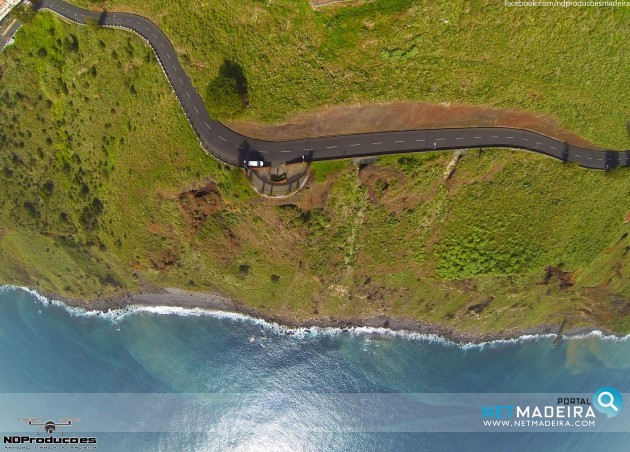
(173, 297)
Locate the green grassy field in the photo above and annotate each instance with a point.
(100, 172)
(568, 62)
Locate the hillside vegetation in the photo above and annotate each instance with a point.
(571, 63)
(103, 186)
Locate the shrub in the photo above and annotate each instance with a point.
(227, 94)
(481, 253)
(222, 98)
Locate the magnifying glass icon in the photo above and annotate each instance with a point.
(610, 403)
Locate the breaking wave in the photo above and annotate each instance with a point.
(117, 315)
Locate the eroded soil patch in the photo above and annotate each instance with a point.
(393, 116)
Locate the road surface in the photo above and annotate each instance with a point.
(8, 27)
(235, 149)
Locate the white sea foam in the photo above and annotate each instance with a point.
(117, 315)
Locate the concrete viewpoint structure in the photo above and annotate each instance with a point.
(6, 6)
(235, 149)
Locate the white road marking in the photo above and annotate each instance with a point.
(509, 137)
(196, 109)
(477, 138)
(494, 136)
(352, 145)
(421, 139)
(331, 147)
(380, 142)
(188, 94)
(578, 155)
(459, 138)
(309, 149)
(284, 152)
(221, 137)
(553, 147)
(399, 141)
(207, 125)
(168, 55)
(524, 139)
(440, 139)
(180, 81)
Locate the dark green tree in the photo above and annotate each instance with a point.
(227, 93)
(24, 13)
(222, 98)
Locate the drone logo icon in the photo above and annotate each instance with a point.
(50, 426)
(49, 437)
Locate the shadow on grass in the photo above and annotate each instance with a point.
(227, 94)
(232, 70)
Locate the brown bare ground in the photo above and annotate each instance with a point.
(198, 204)
(378, 181)
(319, 3)
(396, 116)
(372, 175)
(455, 183)
(313, 196)
(563, 278)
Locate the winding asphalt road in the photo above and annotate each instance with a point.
(233, 148)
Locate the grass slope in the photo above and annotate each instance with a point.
(103, 188)
(568, 62)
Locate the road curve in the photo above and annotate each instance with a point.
(233, 148)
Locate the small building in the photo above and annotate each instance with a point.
(6, 6)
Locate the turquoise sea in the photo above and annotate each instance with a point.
(197, 380)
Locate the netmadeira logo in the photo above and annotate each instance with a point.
(565, 412)
(50, 428)
(608, 401)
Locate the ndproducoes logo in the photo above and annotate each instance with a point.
(50, 428)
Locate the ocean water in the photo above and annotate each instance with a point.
(265, 387)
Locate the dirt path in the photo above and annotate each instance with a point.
(396, 116)
(319, 3)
